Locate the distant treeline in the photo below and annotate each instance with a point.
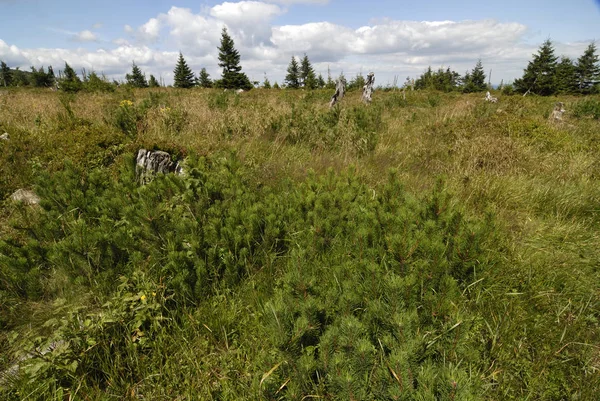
(545, 75)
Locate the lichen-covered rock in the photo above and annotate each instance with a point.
(26, 196)
(151, 162)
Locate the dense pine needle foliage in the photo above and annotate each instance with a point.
(427, 247)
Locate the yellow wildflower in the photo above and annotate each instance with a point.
(143, 298)
(153, 294)
(126, 103)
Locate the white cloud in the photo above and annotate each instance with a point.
(248, 20)
(194, 34)
(150, 30)
(121, 42)
(289, 2)
(85, 36)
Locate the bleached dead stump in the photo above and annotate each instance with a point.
(490, 98)
(340, 90)
(368, 88)
(151, 162)
(557, 113)
(25, 196)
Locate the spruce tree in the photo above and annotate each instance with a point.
(276, 85)
(94, 83)
(40, 79)
(5, 74)
(539, 76)
(152, 82)
(19, 78)
(70, 82)
(449, 80)
(266, 83)
(204, 79)
(183, 75)
(51, 76)
(330, 83)
(292, 79)
(566, 78)
(307, 74)
(229, 60)
(425, 81)
(588, 70)
(320, 82)
(475, 81)
(136, 79)
(357, 82)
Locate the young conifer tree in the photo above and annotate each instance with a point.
(184, 77)
(266, 83)
(588, 70)
(136, 79)
(70, 82)
(5, 74)
(152, 82)
(475, 80)
(320, 82)
(204, 80)
(539, 76)
(566, 77)
(229, 60)
(330, 84)
(292, 79)
(478, 77)
(307, 74)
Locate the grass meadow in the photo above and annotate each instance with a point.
(427, 246)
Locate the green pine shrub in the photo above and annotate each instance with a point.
(353, 129)
(376, 271)
(275, 283)
(587, 108)
(369, 262)
(131, 116)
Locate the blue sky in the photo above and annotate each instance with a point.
(391, 38)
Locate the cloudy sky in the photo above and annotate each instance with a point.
(390, 37)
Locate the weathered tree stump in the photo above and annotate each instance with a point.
(340, 90)
(557, 113)
(490, 98)
(151, 162)
(26, 197)
(368, 88)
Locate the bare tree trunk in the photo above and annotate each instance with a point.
(340, 90)
(368, 88)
